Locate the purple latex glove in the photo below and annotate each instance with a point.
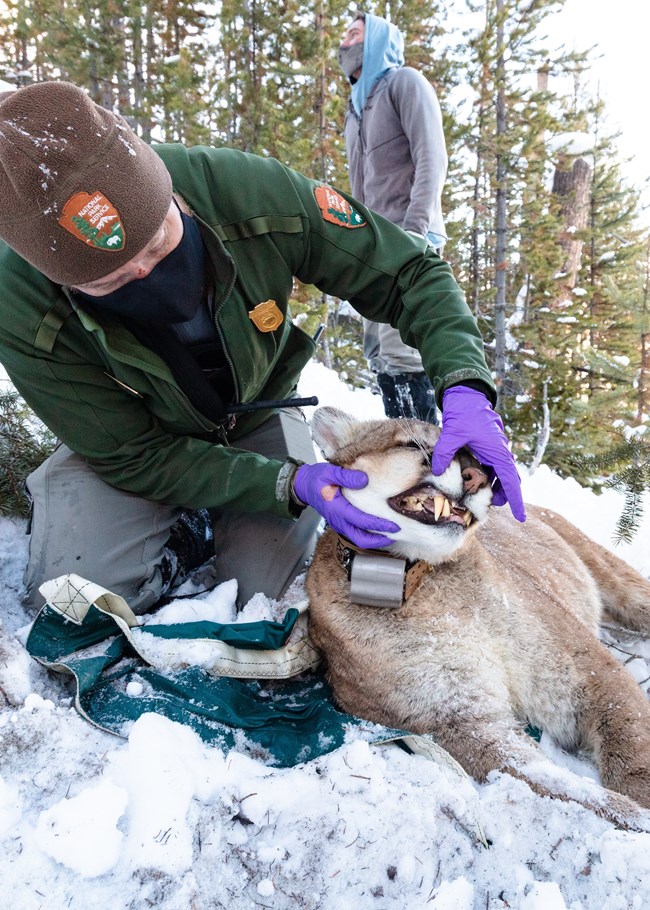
(319, 485)
(468, 420)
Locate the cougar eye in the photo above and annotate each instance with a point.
(422, 449)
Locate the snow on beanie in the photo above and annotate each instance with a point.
(80, 193)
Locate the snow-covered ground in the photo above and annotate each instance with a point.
(161, 820)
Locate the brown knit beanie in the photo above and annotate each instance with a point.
(80, 193)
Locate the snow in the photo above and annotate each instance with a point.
(572, 143)
(161, 819)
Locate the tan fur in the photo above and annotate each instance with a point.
(499, 634)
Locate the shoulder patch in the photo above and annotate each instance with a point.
(337, 210)
(91, 218)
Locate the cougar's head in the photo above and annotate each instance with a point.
(435, 513)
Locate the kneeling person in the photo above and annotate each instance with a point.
(145, 297)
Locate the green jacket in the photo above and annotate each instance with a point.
(116, 403)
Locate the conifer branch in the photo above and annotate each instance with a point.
(24, 444)
(632, 479)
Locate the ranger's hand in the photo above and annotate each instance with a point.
(468, 420)
(319, 485)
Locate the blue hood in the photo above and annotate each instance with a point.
(383, 50)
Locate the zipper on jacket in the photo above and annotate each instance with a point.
(217, 309)
(182, 399)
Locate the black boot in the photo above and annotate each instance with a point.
(408, 395)
(190, 545)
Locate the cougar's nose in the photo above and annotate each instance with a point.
(474, 480)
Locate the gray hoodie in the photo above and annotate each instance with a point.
(396, 148)
(397, 161)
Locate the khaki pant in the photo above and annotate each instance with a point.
(82, 524)
(383, 347)
(386, 352)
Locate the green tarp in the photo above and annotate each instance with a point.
(284, 721)
(283, 718)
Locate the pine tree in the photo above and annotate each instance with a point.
(521, 253)
(23, 56)
(627, 469)
(505, 252)
(563, 307)
(178, 94)
(642, 326)
(606, 352)
(24, 445)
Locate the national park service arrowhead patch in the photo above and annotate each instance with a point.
(336, 209)
(91, 218)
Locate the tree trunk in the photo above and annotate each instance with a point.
(643, 392)
(477, 209)
(643, 388)
(138, 74)
(544, 433)
(572, 187)
(150, 45)
(320, 99)
(501, 211)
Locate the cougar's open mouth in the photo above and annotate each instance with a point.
(429, 506)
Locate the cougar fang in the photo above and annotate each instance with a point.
(500, 631)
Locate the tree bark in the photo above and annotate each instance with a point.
(643, 388)
(501, 212)
(572, 187)
(544, 432)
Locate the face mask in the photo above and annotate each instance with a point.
(350, 58)
(171, 292)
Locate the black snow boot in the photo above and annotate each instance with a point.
(408, 395)
(190, 545)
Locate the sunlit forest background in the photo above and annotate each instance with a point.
(546, 237)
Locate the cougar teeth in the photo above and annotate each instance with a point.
(412, 503)
(438, 505)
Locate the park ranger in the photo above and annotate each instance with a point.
(144, 306)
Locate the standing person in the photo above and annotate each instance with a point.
(145, 295)
(398, 163)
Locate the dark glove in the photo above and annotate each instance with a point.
(468, 420)
(319, 485)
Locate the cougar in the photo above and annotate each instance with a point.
(500, 631)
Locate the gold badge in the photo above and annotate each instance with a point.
(266, 316)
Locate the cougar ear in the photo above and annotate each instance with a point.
(331, 429)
